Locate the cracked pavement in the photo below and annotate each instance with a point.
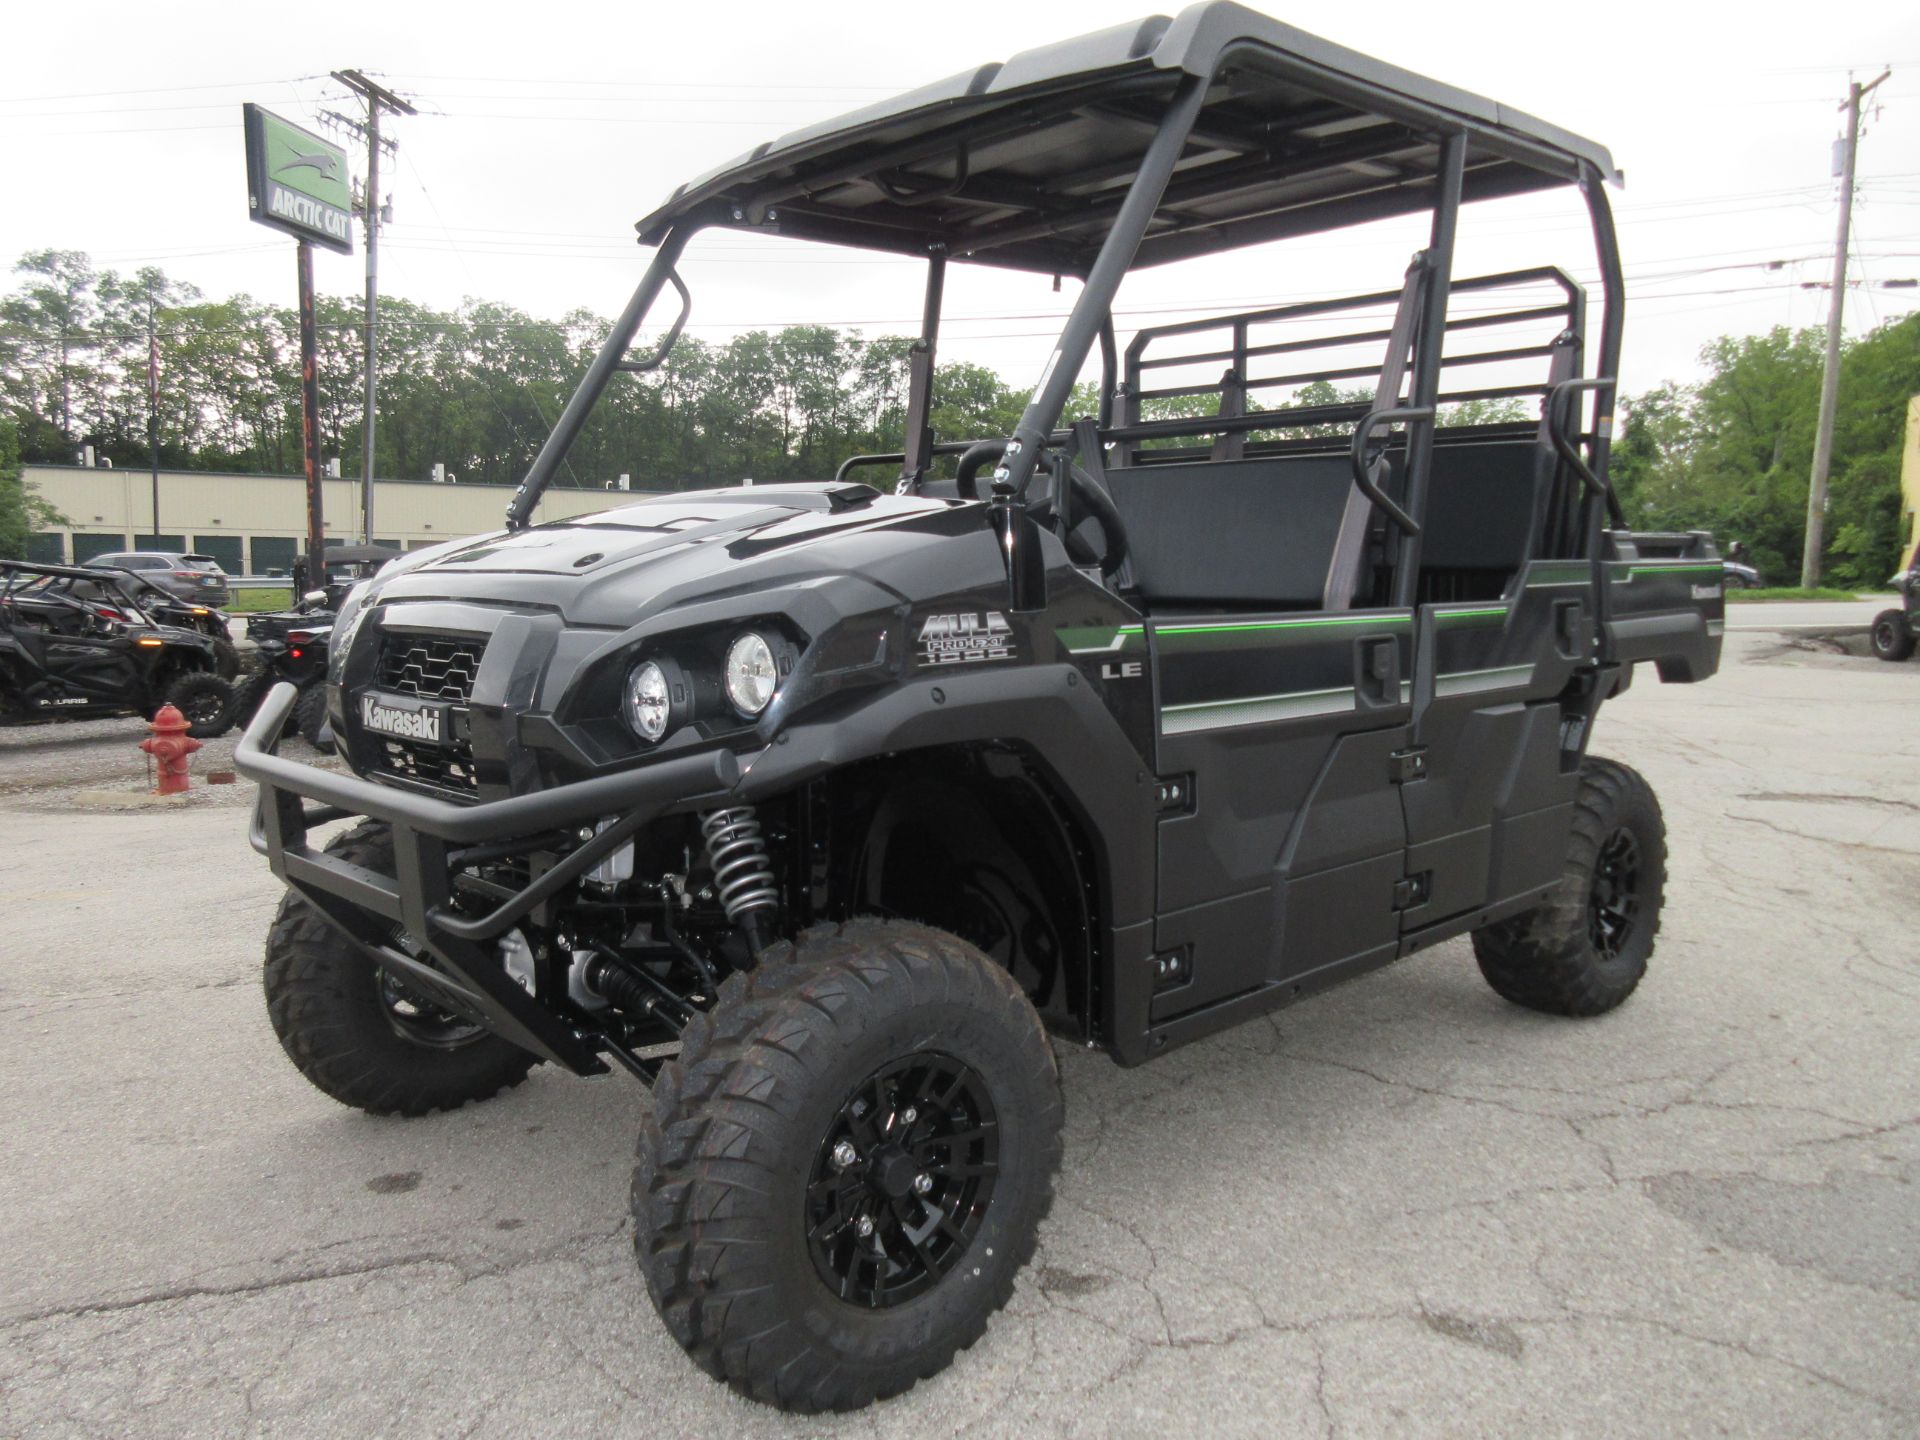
(1401, 1208)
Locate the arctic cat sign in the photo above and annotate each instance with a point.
(297, 182)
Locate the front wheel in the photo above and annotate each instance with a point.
(360, 1035)
(1892, 635)
(207, 702)
(1583, 949)
(847, 1165)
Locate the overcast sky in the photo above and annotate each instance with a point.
(548, 129)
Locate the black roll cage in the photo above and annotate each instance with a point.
(1155, 194)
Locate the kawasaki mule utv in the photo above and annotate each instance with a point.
(818, 805)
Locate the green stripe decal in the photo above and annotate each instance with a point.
(1238, 627)
(1442, 616)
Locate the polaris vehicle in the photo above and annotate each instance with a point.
(820, 806)
(163, 607)
(72, 646)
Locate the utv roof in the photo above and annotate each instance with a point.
(1023, 163)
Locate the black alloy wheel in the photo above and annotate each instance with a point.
(1614, 906)
(420, 1020)
(903, 1179)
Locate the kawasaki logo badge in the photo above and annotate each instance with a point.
(403, 724)
(966, 638)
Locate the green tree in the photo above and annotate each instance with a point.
(22, 512)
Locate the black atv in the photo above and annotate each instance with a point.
(818, 807)
(291, 648)
(73, 647)
(1894, 630)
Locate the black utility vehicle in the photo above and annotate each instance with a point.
(74, 646)
(818, 806)
(1894, 630)
(163, 607)
(293, 650)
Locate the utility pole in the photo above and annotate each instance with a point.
(1830, 372)
(377, 98)
(153, 411)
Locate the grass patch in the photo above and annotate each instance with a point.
(1790, 592)
(246, 601)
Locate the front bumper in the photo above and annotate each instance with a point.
(456, 961)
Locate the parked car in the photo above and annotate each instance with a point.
(191, 577)
(64, 656)
(817, 806)
(1740, 577)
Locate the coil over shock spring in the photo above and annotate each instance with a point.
(742, 873)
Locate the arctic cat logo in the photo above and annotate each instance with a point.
(325, 162)
(966, 638)
(403, 724)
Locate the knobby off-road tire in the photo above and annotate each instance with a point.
(310, 712)
(206, 700)
(744, 1205)
(1892, 636)
(1583, 949)
(355, 1034)
(226, 659)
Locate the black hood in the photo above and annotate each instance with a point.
(607, 569)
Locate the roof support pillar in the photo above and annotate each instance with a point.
(918, 442)
(1428, 349)
(1095, 304)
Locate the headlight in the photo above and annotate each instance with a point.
(649, 701)
(752, 673)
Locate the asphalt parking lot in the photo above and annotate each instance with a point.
(1404, 1208)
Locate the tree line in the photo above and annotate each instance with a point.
(475, 388)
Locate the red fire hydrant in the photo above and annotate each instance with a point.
(170, 745)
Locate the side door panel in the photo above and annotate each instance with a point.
(1487, 822)
(1285, 840)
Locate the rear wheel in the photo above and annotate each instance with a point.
(206, 700)
(310, 712)
(363, 1036)
(847, 1165)
(1583, 949)
(1892, 635)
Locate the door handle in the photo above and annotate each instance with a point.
(1376, 671)
(1569, 627)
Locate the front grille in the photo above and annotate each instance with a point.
(433, 667)
(444, 767)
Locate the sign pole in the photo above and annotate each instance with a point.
(310, 422)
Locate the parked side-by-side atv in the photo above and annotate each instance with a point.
(819, 806)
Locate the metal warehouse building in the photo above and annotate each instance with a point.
(254, 524)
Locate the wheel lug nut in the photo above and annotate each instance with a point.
(863, 1227)
(909, 1115)
(922, 1183)
(844, 1155)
